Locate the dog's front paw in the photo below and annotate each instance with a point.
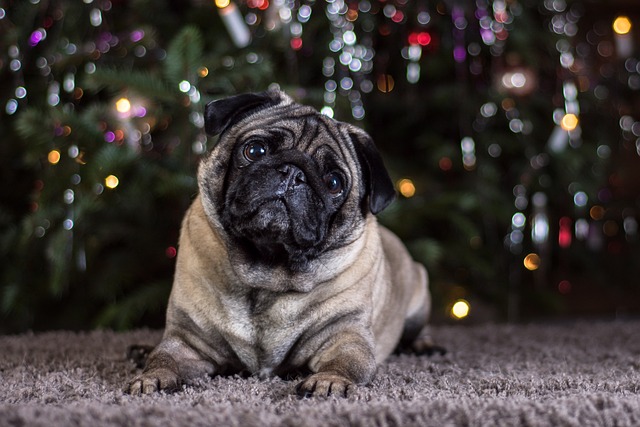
(324, 384)
(152, 381)
(426, 346)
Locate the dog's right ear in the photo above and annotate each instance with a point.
(222, 113)
(380, 190)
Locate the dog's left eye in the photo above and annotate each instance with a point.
(334, 183)
(254, 150)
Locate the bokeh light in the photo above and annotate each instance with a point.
(123, 105)
(171, 252)
(184, 86)
(406, 187)
(569, 122)
(386, 83)
(532, 262)
(622, 25)
(296, 43)
(327, 111)
(111, 181)
(445, 164)
(597, 212)
(53, 157)
(564, 232)
(222, 3)
(564, 287)
(460, 309)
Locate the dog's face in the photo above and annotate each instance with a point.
(287, 183)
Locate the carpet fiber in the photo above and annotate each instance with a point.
(573, 374)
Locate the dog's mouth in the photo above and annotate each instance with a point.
(271, 218)
(280, 220)
(277, 230)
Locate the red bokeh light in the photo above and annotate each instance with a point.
(296, 43)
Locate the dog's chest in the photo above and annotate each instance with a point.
(263, 328)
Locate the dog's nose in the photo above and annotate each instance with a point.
(292, 173)
(292, 176)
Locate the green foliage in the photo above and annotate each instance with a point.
(184, 55)
(145, 83)
(76, 253)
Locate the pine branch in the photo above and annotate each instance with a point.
(124, 314)
(58, 254)
(35, 126)
(142, 82)
(184, 55)
(109, 159)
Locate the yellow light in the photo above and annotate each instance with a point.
(203, 71)
(460, 309)
(597, 212)
(123, 105)
(569, 122)
(385, 83)
(53, 157)
(111, 181)
(221, 4)
(622, 25)
(532, 262)
(406, 188)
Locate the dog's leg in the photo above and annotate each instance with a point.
(345, 361)
(171, 363)
(423, 344)
(416, 337)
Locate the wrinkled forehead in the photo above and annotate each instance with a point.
(289, 126)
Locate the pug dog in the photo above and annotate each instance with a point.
(282, 267)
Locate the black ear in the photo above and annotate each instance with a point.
(376, 178)
(220, 114)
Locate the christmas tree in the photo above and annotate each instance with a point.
(510, 127)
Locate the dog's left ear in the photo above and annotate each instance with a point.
(380, 189)
(220, 114)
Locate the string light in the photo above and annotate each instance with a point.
(564, 287)
(597, 212)
(406, 187)
(385, 83)
(623, 38)
(468, 147)
(532, 262)
(327, 111)
(53, 157)
(622, 25)
(564, 232)
(569, 122)
(234, 22)
(460, 309)
(540, 220)
(445, 164)
(171, 252)
(111, 181)
(123, 106)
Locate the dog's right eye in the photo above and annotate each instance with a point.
(254, 150)
(334, 183)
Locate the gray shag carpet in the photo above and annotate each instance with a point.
(568, 374)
